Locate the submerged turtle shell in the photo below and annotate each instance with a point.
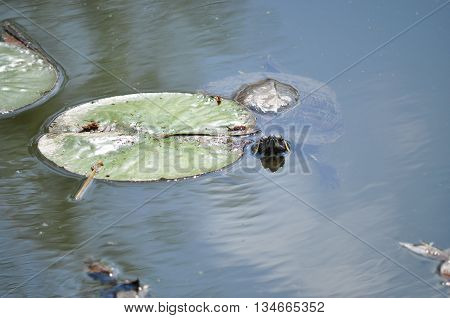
(268, 96)
(316, 107)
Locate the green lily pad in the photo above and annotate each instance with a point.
(148, 137)
(28, 76)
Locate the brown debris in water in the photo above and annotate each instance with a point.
(97, 267)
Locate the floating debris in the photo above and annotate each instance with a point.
(127, 289)
(444, 270)
(428, 250)
(101, 272)
(106, 274)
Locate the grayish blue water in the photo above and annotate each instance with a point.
(235, 233)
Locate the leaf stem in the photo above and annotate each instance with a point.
(94, 170)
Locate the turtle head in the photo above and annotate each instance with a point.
(271, 146)
(271, 150)
(273, 164)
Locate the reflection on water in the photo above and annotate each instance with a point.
(235, 233)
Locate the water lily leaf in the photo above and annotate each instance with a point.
(147, 137)
(159, 114)
(28, 76)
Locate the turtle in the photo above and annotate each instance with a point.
(301, 109)
(428, 250)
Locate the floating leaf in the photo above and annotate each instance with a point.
(28, 76)
(146, 137)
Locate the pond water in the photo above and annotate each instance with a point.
(241, 232)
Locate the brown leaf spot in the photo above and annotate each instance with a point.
(90, 126)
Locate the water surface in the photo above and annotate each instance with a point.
(234, 233)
